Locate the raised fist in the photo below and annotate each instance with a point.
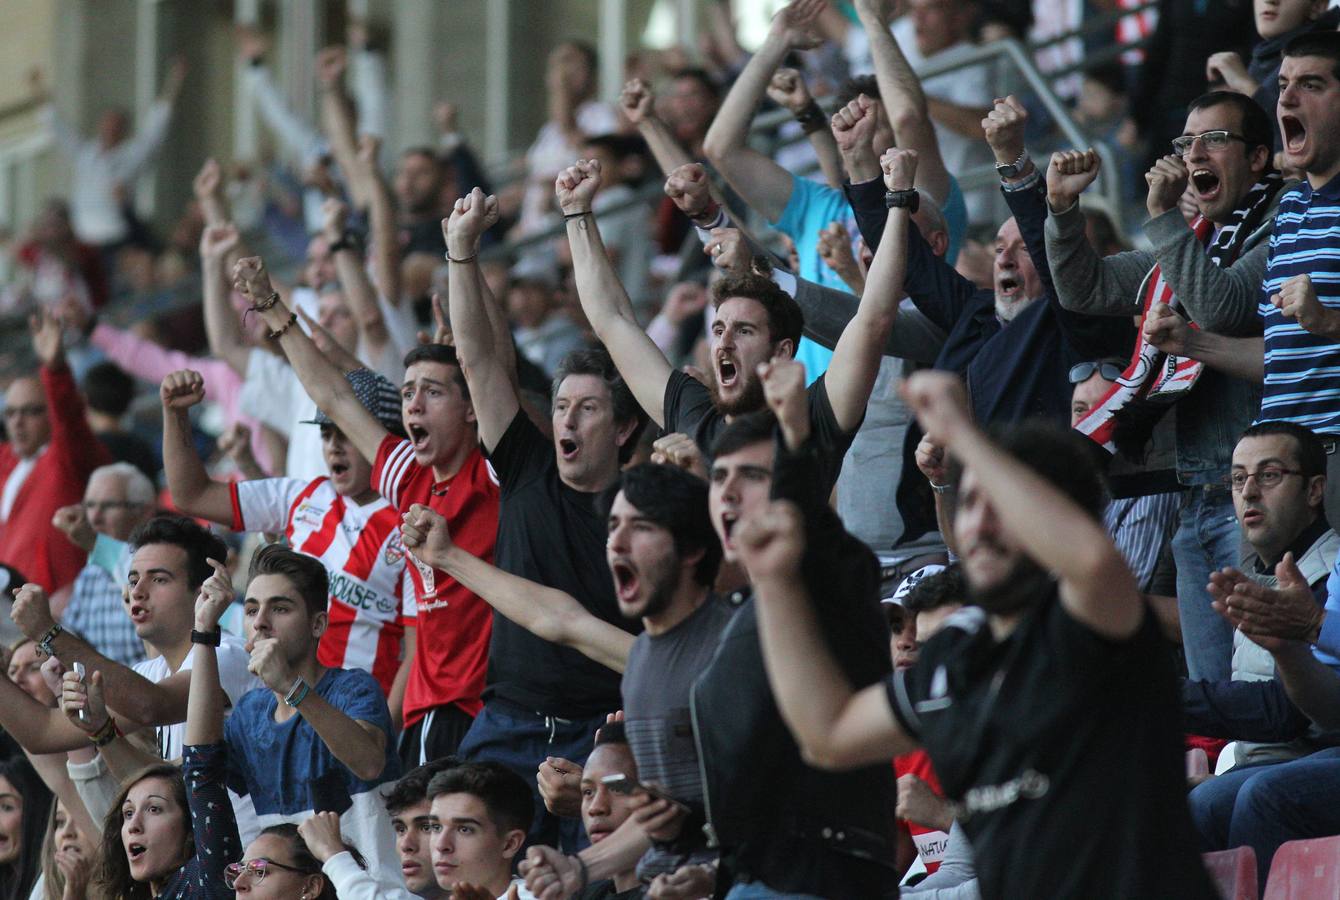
(853, 125)
(217, 241)
(636, 101)
(771, 542)
(425, 534)
(334, 218)
(794, 24)
(688, 187)
(1004, 127)
(729, 250)
(182, 389)
(472, 215)
(787, 89)
(207, 181)
(330, 65)
(1069, 174)
(900, 168)
(940, 402)
(576, 186)
(72, 521)
(214, 598)
(251, 279)
(1167, 181)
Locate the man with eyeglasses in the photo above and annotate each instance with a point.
(118, 498)
(1208, 271)
(1280, 599)
(49, 455)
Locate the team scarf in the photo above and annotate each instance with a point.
(1153, 380)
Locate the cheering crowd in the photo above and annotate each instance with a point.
(857, 535)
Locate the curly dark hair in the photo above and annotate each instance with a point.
(785, 320)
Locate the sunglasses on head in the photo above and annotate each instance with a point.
(1084, 371)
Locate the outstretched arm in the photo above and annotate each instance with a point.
(382, 238)
(762, 183)
(193, 491)
(1243, 357)
(221, 327)
(547, 613)
(324, 383)
(358, 291)
(204, 710)
(603, 297)
(337, 117)
(491, 390)
(788, 90)
(1097, 587)
(856, 358)
(903, 99)
(638, 105)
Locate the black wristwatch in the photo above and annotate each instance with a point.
(909, 200)
(210, 638)
(350, 240)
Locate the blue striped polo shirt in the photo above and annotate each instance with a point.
(1303, 370)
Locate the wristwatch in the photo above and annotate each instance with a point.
(909, 200)
(1012, 170)
(297, 693)
(209, 638)
(44, 643)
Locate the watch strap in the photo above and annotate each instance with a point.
(44, 643)
(209, 638)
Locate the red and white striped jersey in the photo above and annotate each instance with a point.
(364, 558)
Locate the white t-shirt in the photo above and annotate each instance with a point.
(551, 153)
(273, 394)
(361, 549)
(236, 681)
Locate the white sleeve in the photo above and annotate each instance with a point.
(268, 391)
(95, 785)
(352, 883)
(956, 879)
(368, 76)
(140, 149)
(265, 503)
(70, 142)
(233, 674)
(399, 463)
(299, 138)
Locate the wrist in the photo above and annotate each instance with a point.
(795, 436)
(461, 248)
(1059, 203)
(1024, 171)
(861, 167)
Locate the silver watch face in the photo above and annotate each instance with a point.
(1008, 170)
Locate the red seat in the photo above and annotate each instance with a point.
(1304, 870)
(1233, 872)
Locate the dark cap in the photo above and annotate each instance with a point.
(378, 397)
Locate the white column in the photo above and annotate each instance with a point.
(246, 136)
(686, 25)
(146, 88)
(613, 47)
(497, 77)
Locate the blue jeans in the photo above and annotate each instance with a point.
(1207, 538)
(521, 740)
(1263, 806)
(757, 890)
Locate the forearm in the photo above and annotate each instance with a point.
(1085, 282)
(382, 235)
(130, 694)
(337, 121)
(362, 301)
(861, 165)
(617, 853)
(222, 330)
(1219, 299)
(962, 120)
(549, 614)
(668, 153)
(830, 161)
(395, 700)
(348, 741)
(37, 728)
(944, 520)
(51, 767)
(730, 128)
(204, 709)
(1312, 686)
(124, 759)
(1241, 357)
(192, 490)
(1242, 711)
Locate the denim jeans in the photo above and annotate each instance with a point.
(757, 890)
(1207, 538)
(521, 740)
(1263, 806)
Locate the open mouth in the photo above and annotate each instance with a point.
(135, 851)
(726, 372)
(1007, 285)
(1294, 132)
(418, 435)
(625, 580)
(138, 613)
(338, 469)
(1205, 183)
(728, 522)
(598, 833)
(567, 448)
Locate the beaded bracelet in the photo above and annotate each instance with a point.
(263, 305)
(280, 332)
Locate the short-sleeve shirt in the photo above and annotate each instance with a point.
(689, 409)
(288, 771)
(812, 207)
(1058, 744)
(453, 625)
(364, 559)
(549, 533)
(233, 676)
(656, 686)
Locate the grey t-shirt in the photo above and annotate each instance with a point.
(661, 671)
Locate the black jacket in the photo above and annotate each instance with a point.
(778, 820)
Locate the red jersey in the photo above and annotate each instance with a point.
(361, 550)
(453, 625)
(931, 842)
(55, 477)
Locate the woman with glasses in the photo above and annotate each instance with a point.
(279, 866)
(171, 832)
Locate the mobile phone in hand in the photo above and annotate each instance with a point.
(79, 673)
(622, 784)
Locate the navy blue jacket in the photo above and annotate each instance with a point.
(1013, 372)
